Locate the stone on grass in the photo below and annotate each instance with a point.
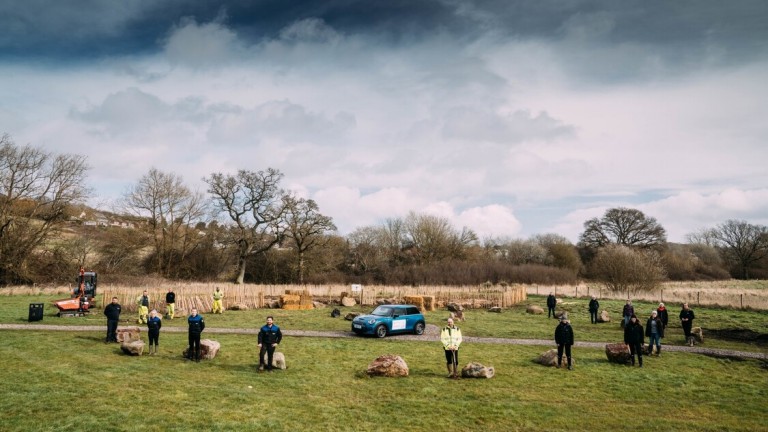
(454, 307)
(319, 305)
(239, 307)
(698, 334)
(388, 365)
(534, 309)
(477, 370)
(128, 334)
(549, 358)
(351, 315)
(208, 349)
(348, 301)
(617, 353)
(495, 309)
(278, 360)
(133, 348)
(604, 317)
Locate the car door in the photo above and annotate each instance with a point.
(399, 321)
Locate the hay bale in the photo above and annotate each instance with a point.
(417, 301)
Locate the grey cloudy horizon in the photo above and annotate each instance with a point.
(512, 118)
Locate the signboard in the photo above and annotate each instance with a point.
(356, 288)
(398, 324)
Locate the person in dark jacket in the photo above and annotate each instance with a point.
(112, 311)
(153, 330)
(627, 312)
(564, 341)
(551, 303)
(654, 329)
(196, 327)
(686, 319)
(663, 315)
(170, 303)
(633, 336)
(594, 306)
(269, 337)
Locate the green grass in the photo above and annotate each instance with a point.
(59, 381)
(512, 323)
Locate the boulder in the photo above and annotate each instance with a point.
(208, 349)
(457, 316)
(558, 300)
(617, 353)
(698, 334)
(454, 307)
(388, 365)
(134, 347)
(128, 334)
(495, 309)
(239, 307)
(560, 314)
(278, 360)
(477, 370)
(352, 315)
(348, 301)
(549, 358)
(318, 305)
(604, 317)
(534, 309)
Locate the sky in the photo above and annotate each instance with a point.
(511, 118)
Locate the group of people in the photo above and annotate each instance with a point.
(143, 302)
(634, 332)
(269, 335)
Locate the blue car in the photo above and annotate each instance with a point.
(390, 319)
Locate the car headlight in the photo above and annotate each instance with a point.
(371, 321)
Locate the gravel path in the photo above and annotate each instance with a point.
(424, 338)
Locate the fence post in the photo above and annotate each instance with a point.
(662, 295)
(742, 300)
(577, 291)
(698, 302)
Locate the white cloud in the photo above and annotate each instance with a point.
(205, 45)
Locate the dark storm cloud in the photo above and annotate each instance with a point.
(684, 31)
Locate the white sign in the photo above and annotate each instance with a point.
(357, 287)
(398, 324)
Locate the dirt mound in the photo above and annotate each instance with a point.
(741, 335)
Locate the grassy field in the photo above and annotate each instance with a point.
(56, 381)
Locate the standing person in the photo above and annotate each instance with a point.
(196, 327)
(112, 311)
(153, 330)
(654, 329)
(551, 303)
(594, 306)
(269, 337)
(143, 302)
(686, 319)
(564, 341)
(627, 312)
(663, 315)
(450, 336)
(170, 303)
(217, 296)
(633, 336)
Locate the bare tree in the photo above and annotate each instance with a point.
(254, 203)
(171, 210)
(623, 226)
(624, 269)
(306, 228)
(742, 243)
(35, 189)
(433, 238)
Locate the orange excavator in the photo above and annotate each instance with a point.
(82, 296)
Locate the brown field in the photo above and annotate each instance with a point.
(734, 294)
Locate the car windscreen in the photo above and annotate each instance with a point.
(382, 311)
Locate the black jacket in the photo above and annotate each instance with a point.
(663, 315)
(170, 297)
(628, 310)
(112, 311)
(270, 335)
(196, 324)
(659, 327)
(551, 301)
(633, 334)
(594, 305)
(564, 334)
(687, 314)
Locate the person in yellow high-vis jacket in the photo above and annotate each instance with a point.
(143, 305)
(217, 296)
(170, 303)
(450, 336)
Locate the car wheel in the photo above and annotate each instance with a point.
(419, 328)
(381, 331)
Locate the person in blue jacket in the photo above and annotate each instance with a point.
(196, 327)
(153, 330)
(268, 339)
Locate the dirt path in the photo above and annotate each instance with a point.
(424, 338)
